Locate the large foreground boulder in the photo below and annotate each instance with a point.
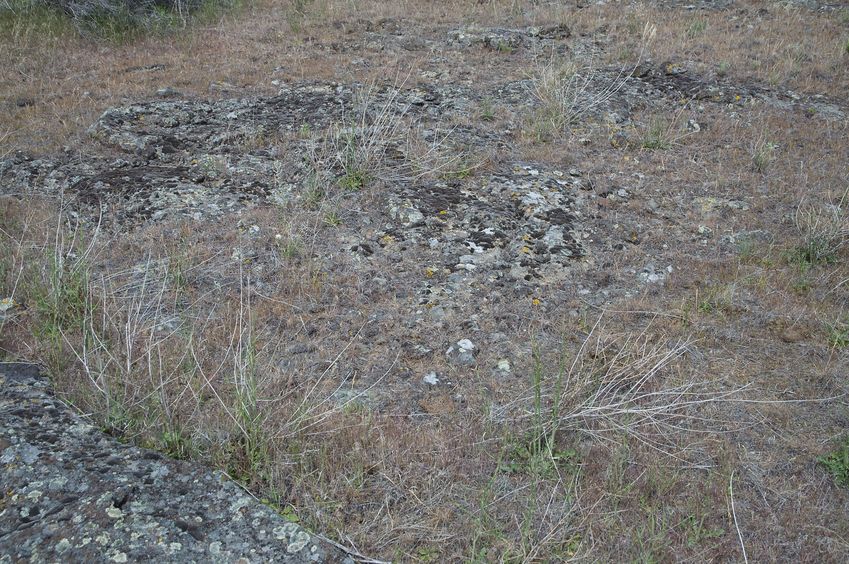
(70, 493)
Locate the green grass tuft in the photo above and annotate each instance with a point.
(837, 463)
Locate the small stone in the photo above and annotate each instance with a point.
(462, 352)
(408, 216)
(503, 366)
(431, 378)
(651, 276)
(466, 345)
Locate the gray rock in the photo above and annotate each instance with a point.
(431, 379)
(71, 491)
(499, 39)
(462, 353)
(407, 215)
(502, 368)
(651, 275)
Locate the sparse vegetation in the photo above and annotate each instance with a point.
(487, 110)
(114, 20)
(716, 299)
(298, 343)
(837, 464)
(567, 91)
(838, 334)
(696, 27)
(824, 229)
(658, 135)
(763, 154)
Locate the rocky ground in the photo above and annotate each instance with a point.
(70, 493)
(423, 255)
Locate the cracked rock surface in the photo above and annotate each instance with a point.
(70, 493)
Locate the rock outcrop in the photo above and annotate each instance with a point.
(70, 493)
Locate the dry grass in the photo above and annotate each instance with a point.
(153, 359)
(776, 44)
(567, 92)
(681, 426)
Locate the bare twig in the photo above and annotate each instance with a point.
(734, 513)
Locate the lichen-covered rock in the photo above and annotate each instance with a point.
(499, 39)
(70, 493)
(519, 223)
(462, 352)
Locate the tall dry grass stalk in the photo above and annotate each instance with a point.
(633, 387)
(379, 140)
(823, 227)
(568, 91)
